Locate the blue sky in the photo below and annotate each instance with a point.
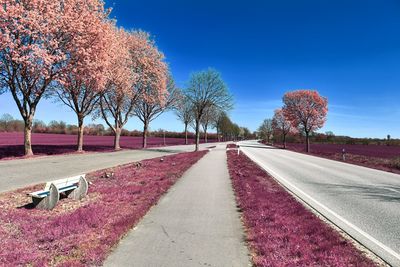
(347, 50)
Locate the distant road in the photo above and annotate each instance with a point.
(22, 172)
(364, 202)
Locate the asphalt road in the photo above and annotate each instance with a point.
(363, 202)
(22, 172)
(195, 224)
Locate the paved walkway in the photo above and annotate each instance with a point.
(194, 224)
(22, 172)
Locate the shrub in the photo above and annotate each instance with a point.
(395, 163)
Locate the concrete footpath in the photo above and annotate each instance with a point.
(23, 172)
(195, 224)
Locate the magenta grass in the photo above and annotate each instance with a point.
(11, 144)
(373, 156)
(81, 233)
(280, 230)
(378, 151)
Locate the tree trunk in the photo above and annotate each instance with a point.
(218, 134)
(284, 141)
(205, 136)
(197, 135)
(117, 138)
(27, 136)
(80, 134)
(307, 142)
(186, 134)
(145, 129)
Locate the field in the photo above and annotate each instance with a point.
(11, 144)
(380, 157)
(280, 230)
(82, 233)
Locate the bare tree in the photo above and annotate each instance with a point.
(184, 112)
(281, 124)
(266, 130)
(147, 110)
(207, 89)
(209, 116)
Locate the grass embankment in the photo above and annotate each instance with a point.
(82, 233)
(280, 230)
(380, 157)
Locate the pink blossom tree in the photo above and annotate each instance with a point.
(33, 38)
(136, 74)
(118, 97)
(80, 85)
(154, 86)
(149, 110)
(306, 110)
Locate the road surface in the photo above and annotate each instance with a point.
(22, 172)
(364, 202)
(195, 224)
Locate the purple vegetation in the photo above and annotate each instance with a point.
(378, 151)
(11, 144)
(81, 233)
(231, 146)
(385, 158)
(280, 230)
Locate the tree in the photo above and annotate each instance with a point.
(33, 35)
(5, 122)
(119, 95)
(282, 125)
(207, 89)
(84, 78)
(210, 114)
(150, 107)
(266, 130)
(306, 110)
(246, 134)
(184, 112)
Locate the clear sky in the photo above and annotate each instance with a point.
(347, 50)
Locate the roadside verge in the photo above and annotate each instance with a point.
(82, 233)
(280, 230)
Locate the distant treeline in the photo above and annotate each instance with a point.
(10, 124)
(331, 138)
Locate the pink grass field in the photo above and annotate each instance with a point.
(82, 233)
(11, 144)
(373, 156)
(280, 230)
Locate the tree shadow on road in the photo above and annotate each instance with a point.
(384, 192)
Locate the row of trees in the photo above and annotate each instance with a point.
(72, 50)
(204, 104)
(304, 112)
(10, 124)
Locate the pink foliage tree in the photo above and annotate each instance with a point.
(155, 86)
(282, 125)
(84, 78)
(33, 38)
(150, 109)
(306, 110)
(119, 95)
